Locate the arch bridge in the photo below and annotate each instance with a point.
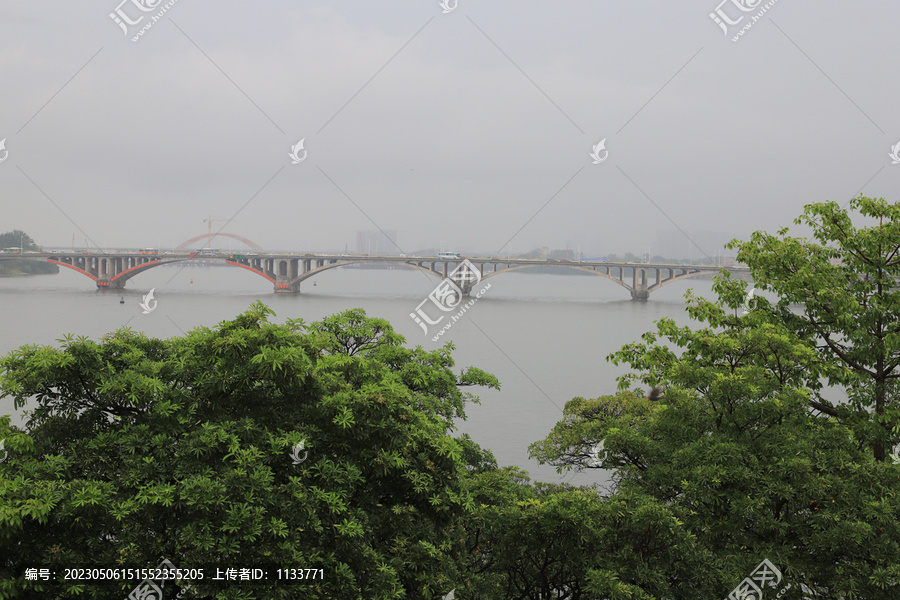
(209, 237)
(286, 271)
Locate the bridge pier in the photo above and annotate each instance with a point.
(107, 284)
(283, 286)
(464, 278)
(640, 290)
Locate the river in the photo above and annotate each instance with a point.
(546, 337)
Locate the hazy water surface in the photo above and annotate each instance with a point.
(546, 337)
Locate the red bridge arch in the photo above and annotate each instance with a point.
(210, 236)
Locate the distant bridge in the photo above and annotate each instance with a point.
(110, 270)
(209, 237)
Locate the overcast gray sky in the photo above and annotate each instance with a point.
(470, 128)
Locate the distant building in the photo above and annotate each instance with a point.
(377, 243)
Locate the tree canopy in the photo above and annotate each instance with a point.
(845, 285)
(741, 447)
(138, 450)
(19, 239)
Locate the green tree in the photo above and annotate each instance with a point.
(557, 541)
(141, 449)
(733, 451)
(17, 239)
(20, 239)
(540, 253)
(845, 284)
(562, 254)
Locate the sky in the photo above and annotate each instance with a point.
(467, 126)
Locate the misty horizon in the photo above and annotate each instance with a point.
(498, 128)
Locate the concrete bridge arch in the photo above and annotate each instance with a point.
(640, 285)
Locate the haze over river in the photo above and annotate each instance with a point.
(546, 337)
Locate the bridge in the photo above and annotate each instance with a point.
(286, 271)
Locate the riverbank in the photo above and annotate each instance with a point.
(17, 268)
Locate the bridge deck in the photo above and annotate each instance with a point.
(110, 270)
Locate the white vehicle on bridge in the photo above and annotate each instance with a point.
(454, 255)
